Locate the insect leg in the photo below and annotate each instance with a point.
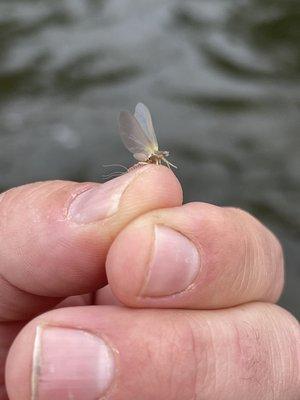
(115, 165)
(169, 164)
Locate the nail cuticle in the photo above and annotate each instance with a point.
(77, 192)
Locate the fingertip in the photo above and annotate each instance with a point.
(155, 186)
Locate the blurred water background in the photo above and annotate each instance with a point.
(220, 77)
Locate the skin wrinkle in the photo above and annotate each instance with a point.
(293, 337)
(262, 241)
(21, 249)
(36, 187)
(194, 355)
(150, 359)
(276, 374)
(7, 196)
(28, 238)
(252, 359)
(12, 194)
(55, 190)
(172, 384)
(257, 255)
(222, 370)
(225, 374)
(16, 191)
(28, 259)
(254, 250)
(87, 258)
(182, 333)
(272, 255)
(232, 274)
(216, 226)
(211, 376)
(248, 260)
(241, 279)
(274, 353)
(75, 271)
(22, 293)
(13, 199)
(282, 385)
(296, 365)
(176, 353)
(255, 351)
(203, 343)
(155, 374)
(277, 259)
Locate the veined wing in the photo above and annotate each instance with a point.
(142, 114)
(133, 136)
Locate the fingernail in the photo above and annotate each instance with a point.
(70, 364)
(174, 265)
(100, 201)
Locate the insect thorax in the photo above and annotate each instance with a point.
(157, 157)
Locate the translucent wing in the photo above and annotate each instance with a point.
(133, 136)
(142, 114)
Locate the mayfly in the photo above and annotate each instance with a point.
(138, 135)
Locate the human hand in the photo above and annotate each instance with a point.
(200, 281)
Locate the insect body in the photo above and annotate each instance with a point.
(138, 136)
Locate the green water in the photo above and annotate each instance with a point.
(220, 77)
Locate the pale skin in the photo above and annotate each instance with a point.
(204, 325)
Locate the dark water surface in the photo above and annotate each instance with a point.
(221, 78)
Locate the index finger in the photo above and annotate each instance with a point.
(54, 236)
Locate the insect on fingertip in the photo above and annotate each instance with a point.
(138, 135)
